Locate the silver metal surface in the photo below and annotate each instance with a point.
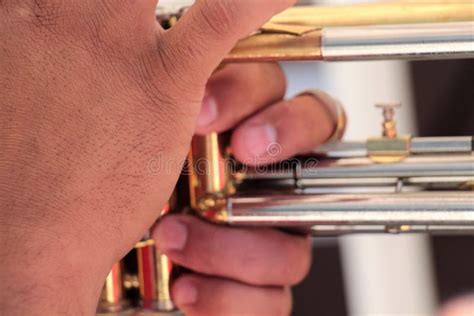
(433, 145)
(418, 146)
(417, 41)
(380, 182)
(342, 149)
(414, 166)
(332, 230)
(426, 210)
(428, 191)
(346, 168)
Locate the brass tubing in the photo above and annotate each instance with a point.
(392, 12)
(111, 299)
(274, 47)
(308, 32)
(154, 270)
(155, 274)
(396, 12)
(209, 174)
(404, 41)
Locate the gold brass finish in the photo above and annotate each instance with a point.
(154, 270)
(469, 185)
(131, 281)
(389, 148)
(212, 207)
(295, 34)
(111, 299)
(273, 46)
(392, 12)
(389, 124)
(334, 108)
(209, 172)
(398, 229)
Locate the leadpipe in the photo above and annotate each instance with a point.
(393, 12)
(394, 30)
(408, 41)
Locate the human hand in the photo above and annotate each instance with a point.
(91, 91)
(458, 306)
(245, 271)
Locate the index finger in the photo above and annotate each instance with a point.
(238, 91)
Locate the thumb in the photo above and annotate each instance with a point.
(209, 30)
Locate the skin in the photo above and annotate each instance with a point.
(92, 92)
(459, 306)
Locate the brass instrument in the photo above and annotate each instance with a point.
(391, 183)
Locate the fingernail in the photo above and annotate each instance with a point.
(259, 138)
(208, 111)
(185, 293)
(171, 236)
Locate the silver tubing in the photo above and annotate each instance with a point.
(434, 145)
(398, 212)
(418, 146)
(411, 41)
(411, 167)
(333, 230)
(346, 168)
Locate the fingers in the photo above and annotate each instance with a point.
(197, 295)
(283, 130)
(236, 92)
(252, 256)
(209, 30)
(460, 306)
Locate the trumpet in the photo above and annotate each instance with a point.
(389, 183)
(392, 30)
